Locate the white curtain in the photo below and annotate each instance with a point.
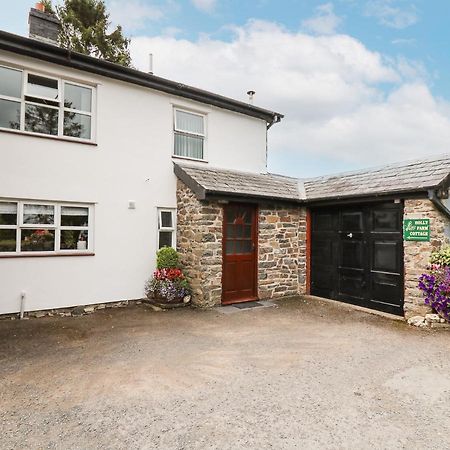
(189, 146)
(8, 208)
(189, 122)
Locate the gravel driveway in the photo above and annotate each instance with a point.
(301, 374)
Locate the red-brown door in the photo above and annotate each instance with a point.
(239, 253)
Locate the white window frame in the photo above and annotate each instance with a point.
(56, 226)
(61, 107)
(190, 133)
(171, 229)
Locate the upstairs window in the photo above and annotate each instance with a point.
(45, 105)
(189, 129)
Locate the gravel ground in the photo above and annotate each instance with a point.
(302, 374)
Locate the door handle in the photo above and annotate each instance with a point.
(350, 235)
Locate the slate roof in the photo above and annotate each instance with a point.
(207, 180)
(406, 177)
(410, 176)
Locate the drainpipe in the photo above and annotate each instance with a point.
(432, 195)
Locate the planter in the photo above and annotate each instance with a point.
(162, 303)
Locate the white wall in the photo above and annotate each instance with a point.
(131, 162)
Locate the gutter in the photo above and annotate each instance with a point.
(276, 119)
(57, 55)
(432, 195)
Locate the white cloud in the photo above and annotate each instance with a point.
(133, 15)
(341, 100)
(205, 5)
(391, 14)
(325, 20)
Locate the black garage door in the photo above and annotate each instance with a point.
(357, 255)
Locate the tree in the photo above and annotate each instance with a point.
(84, 28)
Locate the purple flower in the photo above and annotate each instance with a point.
(435, 287)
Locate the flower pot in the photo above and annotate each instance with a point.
(163, 303)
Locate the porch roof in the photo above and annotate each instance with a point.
(402, 178)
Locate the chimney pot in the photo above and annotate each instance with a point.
(40, 6)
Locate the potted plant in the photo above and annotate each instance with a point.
(168, 288)
(435, 283)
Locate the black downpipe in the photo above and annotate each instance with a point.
(438, 203)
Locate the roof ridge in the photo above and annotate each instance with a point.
(380, 167)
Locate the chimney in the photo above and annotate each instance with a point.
(43, 25)
(250, 96)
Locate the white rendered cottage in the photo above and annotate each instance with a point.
(87, 187)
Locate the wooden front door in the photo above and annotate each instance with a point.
(239, 280)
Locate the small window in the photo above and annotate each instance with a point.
(38, 227)
(10, 98)
(11, 82)
(74, 228)
(189, 134)
(166, 228)
(77, 111)
(8, 227)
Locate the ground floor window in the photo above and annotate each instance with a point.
(166, 227)
(32, 226)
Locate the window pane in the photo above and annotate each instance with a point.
(165, 239)
(8, 213)
(77, 97)
(246, 246)
(42, 87)
(189, 122)
(8, 240)
(229, 248)
(77, 125)
(189, 146)
(166, 219)
(72, 216)
(9, 114)
(41, 119)
(38, 240)
(39, 214)
(74, 240)
(10, 82)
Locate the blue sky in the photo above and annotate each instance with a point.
(360, 82)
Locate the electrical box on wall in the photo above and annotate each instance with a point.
(131, 204)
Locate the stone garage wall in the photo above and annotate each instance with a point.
(199, 241)
(282, 251)
(417, 254)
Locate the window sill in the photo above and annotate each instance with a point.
(45, 136)
(44, 254)
(190, 159)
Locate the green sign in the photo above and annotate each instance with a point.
(416, 229)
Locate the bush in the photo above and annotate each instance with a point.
(441, 257)
(167, 258)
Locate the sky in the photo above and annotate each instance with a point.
(360, 82)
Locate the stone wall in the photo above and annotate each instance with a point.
(417, 254)
(282, 251)
(199, 241)
(281, 248)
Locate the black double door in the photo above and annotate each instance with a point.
(357, 255)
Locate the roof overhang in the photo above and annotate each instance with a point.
(57, 55)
